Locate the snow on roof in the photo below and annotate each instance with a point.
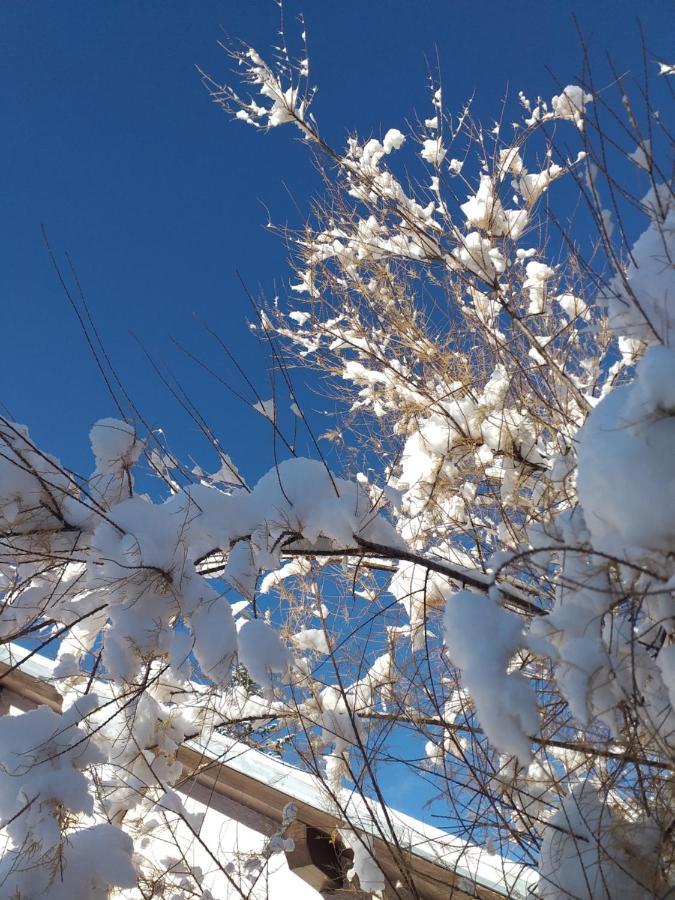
(439, 848)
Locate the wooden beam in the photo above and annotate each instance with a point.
(317, 857)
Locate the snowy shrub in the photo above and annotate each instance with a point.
(490, 607)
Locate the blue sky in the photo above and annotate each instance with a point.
(112, 143)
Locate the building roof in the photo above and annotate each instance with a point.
(441, 864)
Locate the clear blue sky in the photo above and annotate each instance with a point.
(111, 141)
